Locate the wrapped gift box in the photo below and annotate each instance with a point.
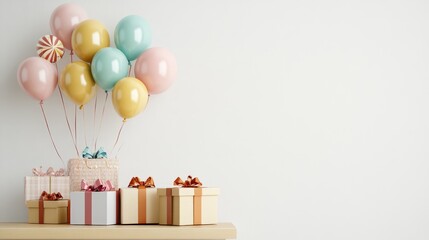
(47, 211)
(94, 208)
(92, 169)
(139, 206)
(34, 185)
(188, 206)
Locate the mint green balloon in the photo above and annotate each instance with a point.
(108, 66)
(132, 36)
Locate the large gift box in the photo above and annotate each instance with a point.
(188, 205)
(139, 202)
(48, 211)
(95, 205)
(91, 170)
(51, 181)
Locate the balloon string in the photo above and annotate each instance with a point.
(95, 113)
(119, 134)
(75, 124)
(49, 131)
(65, 114)
(129, 71)
(71, 56)
(84, 124)
(101, 120)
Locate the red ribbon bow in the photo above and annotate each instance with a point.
(50, 197)
(135, 182)
(190, 182)
(98, 186)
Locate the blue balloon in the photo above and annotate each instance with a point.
(132, 36)
(108, 66)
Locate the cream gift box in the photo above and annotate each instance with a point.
(47, 211)
(92, 169)
(139, 206)
(94, 208)
(188, 206)
(34, 185)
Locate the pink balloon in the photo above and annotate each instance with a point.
(64, 20)
(156, 68)
(38, 77)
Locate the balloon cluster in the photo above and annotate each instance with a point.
(101, 65)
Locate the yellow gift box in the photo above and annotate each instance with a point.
(40, 211)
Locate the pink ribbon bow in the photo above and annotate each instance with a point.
(98, 186)
(49, 172)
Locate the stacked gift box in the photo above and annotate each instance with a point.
(54, 198)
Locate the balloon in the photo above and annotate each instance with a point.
(132, 36)
(108, 66)
(129, 97)
(156, 68)
(77, 82)
(88, 37)
(37, 77)
(63, 21)
(50, 48)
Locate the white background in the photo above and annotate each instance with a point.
(311, 116)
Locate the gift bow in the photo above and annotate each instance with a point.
(50, 197)
(98, 186)
(135, 182)
(190, 182)
(49, 172)
(99, 154)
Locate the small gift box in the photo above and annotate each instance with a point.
(96, 204)
(190, 204)
(92, 169)
(48, 209)
(49, 181)
(139, 202)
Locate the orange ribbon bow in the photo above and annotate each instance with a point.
(190, 182)
(135, 182)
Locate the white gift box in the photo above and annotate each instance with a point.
(139, 206)
(94, 208)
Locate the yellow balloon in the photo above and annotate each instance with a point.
(77, 82)
(88, 37)
(129, 97)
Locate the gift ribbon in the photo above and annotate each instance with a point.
(189, 182)
(99, 154)
(98, 186)
(49, 172)
(141, 195)
(46, 197)
(169, 196)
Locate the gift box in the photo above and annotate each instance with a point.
(139, 202)
(50, 181)
(94, 206)
(91, 170)
(48, 211)
(190, 205)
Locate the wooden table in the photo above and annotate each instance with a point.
(64, 231)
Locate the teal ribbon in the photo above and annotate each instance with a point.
(99, 154)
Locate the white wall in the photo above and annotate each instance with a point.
(311, 116)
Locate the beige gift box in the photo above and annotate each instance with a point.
(34, 185)
(51, 212)
(188, 206)
(91, 170)
(139, 206)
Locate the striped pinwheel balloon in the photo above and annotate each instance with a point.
(50, 48)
